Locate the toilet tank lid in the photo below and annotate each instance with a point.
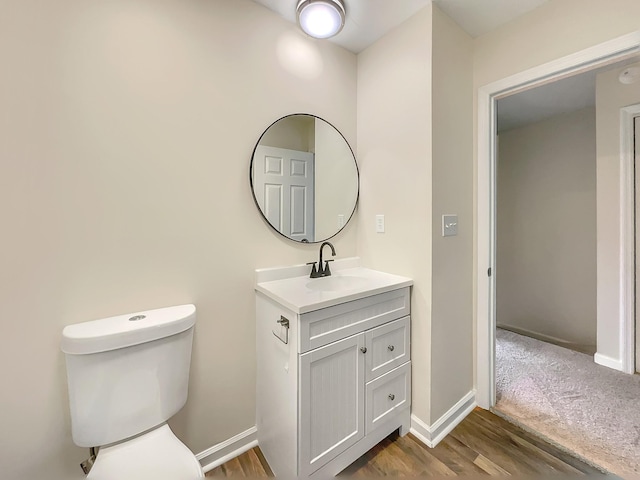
(126, 330)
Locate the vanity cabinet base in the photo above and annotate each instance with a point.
(401, 420)
(320, 409)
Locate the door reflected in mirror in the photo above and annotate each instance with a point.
(304, 178)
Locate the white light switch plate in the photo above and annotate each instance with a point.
(380, 223)
(449, 225)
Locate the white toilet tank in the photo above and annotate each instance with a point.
(127, 374)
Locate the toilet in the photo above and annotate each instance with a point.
(127, 376)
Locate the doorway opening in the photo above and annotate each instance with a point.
(546, 156)
(610, 52)
(615, 342)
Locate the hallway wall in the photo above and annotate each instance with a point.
(611, 96)
(546, 228)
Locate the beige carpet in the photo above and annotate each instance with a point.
(589, 409)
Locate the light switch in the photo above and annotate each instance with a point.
(449, 225)
(380, 223)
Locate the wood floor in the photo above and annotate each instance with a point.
(482, 444)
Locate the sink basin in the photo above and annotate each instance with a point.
(336, 283)
(292, 287)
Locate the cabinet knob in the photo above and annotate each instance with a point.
(391, 348)
(392, 396)
(363, 349)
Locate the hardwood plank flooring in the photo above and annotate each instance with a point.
(482, 444)
(249, 464)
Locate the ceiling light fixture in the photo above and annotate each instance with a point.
(321, 18)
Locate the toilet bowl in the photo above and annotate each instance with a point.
(127, 376)
(156, 455)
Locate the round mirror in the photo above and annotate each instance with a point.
(304, 178)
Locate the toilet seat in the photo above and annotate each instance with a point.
(155, 455)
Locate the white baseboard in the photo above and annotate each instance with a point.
(539, 336)
(431, 435)
(225, 451)
(605, 361)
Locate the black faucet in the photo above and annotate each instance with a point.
(322, 271)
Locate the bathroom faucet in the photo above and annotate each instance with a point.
(322, 271)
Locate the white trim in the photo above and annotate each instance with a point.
(485, 241)
(607, 361)
(431, 435)
(485, 324)
(539, 336)
(231, 448)
(627, 240)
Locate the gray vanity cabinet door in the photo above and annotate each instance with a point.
(331, 401)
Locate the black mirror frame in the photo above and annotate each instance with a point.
(253, 193)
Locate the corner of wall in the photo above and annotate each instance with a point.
(394, 149)
(451, 334)
(224, 451)
(432, 434)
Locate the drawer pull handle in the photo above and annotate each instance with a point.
(363, 349)
(392, 396)
(391, 348)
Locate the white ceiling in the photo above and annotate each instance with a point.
(369, 20)
(556, 98)
(478, 17)
(563, 96)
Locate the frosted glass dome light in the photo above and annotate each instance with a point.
(321, 18)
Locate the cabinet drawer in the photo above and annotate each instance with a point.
(386, 395)
(388, 347)
(327, 325)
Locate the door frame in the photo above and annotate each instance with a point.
(627, 197)
(599, 55)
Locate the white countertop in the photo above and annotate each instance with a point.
(292, 287)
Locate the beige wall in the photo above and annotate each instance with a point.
(552, 31)
(125, 138)
(452, 257)
(546, 228)
(336, 180)
(394, 155)
(292, 132)
(415, 154)
(611, 96)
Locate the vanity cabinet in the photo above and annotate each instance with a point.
(339, 385)
(331, 401)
